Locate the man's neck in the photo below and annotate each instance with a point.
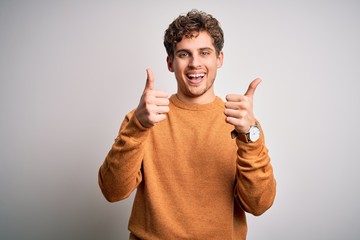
(203, 99)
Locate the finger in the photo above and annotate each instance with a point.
(160, 94)
(234, 98)
(162, 109)
(252, 87)
(156, 118)
(149, 80)
(234, 121)
(234, 113)
(159, 118)
(236, 105)
(161, 101)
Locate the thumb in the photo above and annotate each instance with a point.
(150, 80)
(252, 87)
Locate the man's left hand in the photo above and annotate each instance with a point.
(239, 108)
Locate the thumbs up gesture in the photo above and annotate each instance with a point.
(153, 105)
(239, 108)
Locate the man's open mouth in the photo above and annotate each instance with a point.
(195, 77)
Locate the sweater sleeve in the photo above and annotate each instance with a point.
(255, 187)
(120, 172)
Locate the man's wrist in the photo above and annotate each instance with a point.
(252, 135)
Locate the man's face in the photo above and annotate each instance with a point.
(195, 65)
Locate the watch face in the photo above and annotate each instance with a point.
(254, 133)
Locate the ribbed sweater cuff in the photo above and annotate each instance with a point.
(135, 130)
(252, 150)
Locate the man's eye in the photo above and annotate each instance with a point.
(205, 53)
(182, 55)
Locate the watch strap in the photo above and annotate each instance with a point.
(241, 136)
(245, 137)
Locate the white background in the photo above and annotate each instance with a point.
(71, 70)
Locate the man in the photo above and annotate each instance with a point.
(198, 164)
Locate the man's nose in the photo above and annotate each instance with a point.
(195, 61)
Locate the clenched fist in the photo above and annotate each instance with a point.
(153, 105)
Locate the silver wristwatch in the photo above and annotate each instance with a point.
(251, 136)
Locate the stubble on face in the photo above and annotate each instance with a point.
(195, 65)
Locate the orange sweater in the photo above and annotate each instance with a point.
(193, 180)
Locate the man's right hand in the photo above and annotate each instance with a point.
(154, 104)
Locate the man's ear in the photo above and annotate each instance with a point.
(220, 59)
(169, 64)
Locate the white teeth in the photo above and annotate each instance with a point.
(196, 75)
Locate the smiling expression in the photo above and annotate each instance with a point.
(195, 65)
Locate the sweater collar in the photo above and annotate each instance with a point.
(218, 102)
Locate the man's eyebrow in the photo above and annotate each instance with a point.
(183, 50)
(201, 49)
(207, 48)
